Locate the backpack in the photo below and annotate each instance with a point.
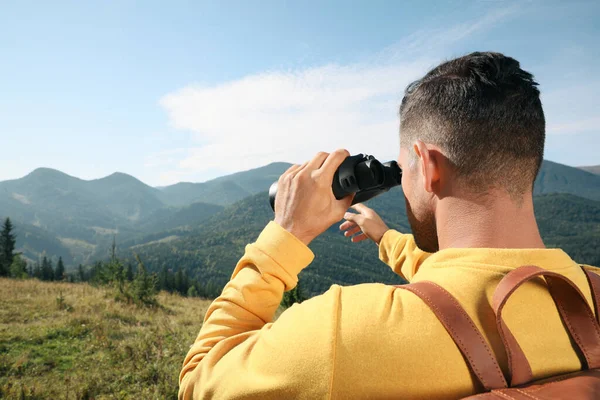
(575, 313)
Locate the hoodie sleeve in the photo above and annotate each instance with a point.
(241, 353)
(400, 252)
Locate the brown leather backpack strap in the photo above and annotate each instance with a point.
(572, 306)
(594, 281)
(463, 331)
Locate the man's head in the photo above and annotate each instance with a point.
(470, 126)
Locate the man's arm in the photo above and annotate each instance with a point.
(241, 353)
(396, 249)
(400, 252)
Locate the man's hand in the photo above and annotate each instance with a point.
(305, 204)
(367, 222)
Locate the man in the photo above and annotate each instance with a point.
(471, 144)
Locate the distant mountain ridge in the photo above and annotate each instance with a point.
(559, 178)
(211, 251)
(594, 169)
(61, 213)
(225, 190)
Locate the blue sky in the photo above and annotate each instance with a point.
(187, 91)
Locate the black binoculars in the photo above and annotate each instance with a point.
(360, 174)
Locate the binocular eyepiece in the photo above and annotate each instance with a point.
(360, 174)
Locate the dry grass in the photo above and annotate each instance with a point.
(73, 341)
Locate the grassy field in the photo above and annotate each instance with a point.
(73, 341)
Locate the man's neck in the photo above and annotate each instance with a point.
(494, 222)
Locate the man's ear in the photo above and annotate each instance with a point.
(429, 165)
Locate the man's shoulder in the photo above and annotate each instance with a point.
(364, 296)
(375, 300)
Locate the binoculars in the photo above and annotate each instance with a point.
(360, 174)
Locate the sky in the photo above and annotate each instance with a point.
(192, 90)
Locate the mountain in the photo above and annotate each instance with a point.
(211, 251)
(56, 202)
(225, 190)
(82, 216)
(257, 180)
(559, 178)
(594, 169)
(126, 196)
(571, 223)
(188, 217)
(79, 218)
(33, 242)
(68, 205)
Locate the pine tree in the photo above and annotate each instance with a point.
(185, 282)
(8, 241)
(59, 273)
(96, 274)
(80, 273)
(179, 282)
(129, 273)
(47, 272)
(163, 279)
(37, 270)
(115, 274)
(144, 285)
(51, 269)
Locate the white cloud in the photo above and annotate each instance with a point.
(291, 115)
(577, 126)
(573, 108)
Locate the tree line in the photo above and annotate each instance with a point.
(112, 272)
(131, 284)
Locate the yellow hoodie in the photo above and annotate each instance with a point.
(369, 340)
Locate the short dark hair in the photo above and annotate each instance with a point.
(485, 112)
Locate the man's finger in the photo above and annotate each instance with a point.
(361, 208)
(347, 225)
(297, 170)
(332, 163)
(359, 238)
(290, 170)
(356, 218)
(317, 161)
(352, 231)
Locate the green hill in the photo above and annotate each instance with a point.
(78, 218)
(221, 193)
(225, 190)
(571, 223)
(257, 180)
(126, 196)
(73, 208)
(33, 241)
(559, 178)
(66, 216)
(211, 251)
(189, 216)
